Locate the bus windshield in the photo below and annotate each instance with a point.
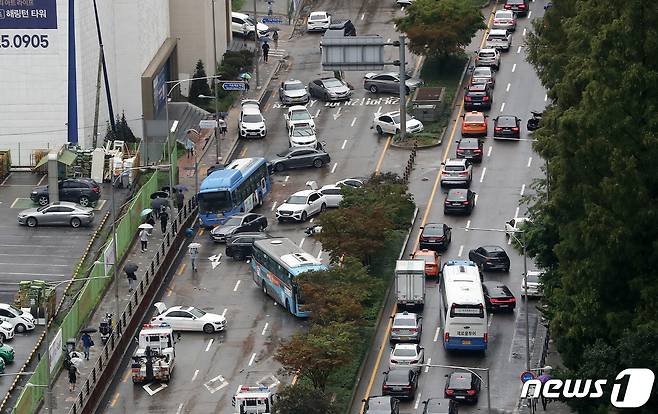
(215, 202)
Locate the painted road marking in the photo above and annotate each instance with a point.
(522, 189)
(215, 260)
(319, 254)
(302, 242)
(126, 375)
(363, 15)
(529, 161)
(502, 106)
(436, 335)
(518, 50)
(285, 180)
(475, 203)
(180, 408)
(508, 86)
(209, 344)
(243, 152)
(270, 381)
(310, 221)
(251, 360)
(274, 206)
(196, 372)
(484, 171)
(343, 146)
(489, 151)
(516, 213)
(317, 113)
(468, 225)
(5, 180)
(115, 399)
(490, 320)
(151, 392)
(529, 14)
(381, 157)
(181, 268)
(545, 97)
(418, 400)
(429, 361)
(461, 250)
(265, 328)
(212, 387)
(237, 284)
(524, 31)
(224, 313)
(333, 169)
(379, 110)
(43, 177)
(513, 67)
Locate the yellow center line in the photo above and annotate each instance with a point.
(294, 380)
(171, 289)
(115, 399)
(181, 268)
(126, 375)
(201, 232)
(243, 152)
(381, 157)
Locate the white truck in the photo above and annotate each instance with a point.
(253, 400)
(410, 283)
(155, 355)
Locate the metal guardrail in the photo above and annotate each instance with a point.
(130, 318)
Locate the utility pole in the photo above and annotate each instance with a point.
(527, 317)
(256, 43)
(218, 150)
(403, 89)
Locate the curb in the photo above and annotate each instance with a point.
(454, 98)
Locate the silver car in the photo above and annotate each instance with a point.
(293, 92)
(329, 89)
(61, 213)
(456, 171)
(389, 82)
(407, 327)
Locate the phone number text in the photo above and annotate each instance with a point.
(24, 41)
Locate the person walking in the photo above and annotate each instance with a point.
(73, 377)
(150, 220)
(132, 277)
(266, 51)
(189, 145)
(87, 343)
(194, 253)
(180, 199)
(144, 239)
(164, 217)
(275, 38)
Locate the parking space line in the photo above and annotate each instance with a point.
(5, 180)
(353, 122)
(115, 399)
(363, 15)
(224, 313)
(418, 400)
(265, 328)
(516, 213)
(319, 254)
(522, 189)
(251, 360)
(489, 151)
(514, 67)
(484, 171)
(429, 361)
(475, 202)
(529, 161)
(170, 290)
(545, 97)
(502, 106)
(518, 50)
(529, 14)
(196, 372)
(14, 203)
(43, 177)
(508, 86)
(181, 268)
(461, 250)
(243, 152)
(201, 232)
(491, 316)
(209, 344)
(285, 180)
(468, 225)
(237, 284)
(317, 113)
(180, 408)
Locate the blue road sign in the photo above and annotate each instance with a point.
(527, 376)
(272, 20)
(233, 86)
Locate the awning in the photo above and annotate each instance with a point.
(66, 157)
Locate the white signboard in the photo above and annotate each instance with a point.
(207, 124)
(55, 350)
(108, 257)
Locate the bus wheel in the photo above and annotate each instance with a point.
(264, 288)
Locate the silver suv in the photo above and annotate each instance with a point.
(406, 327)
(456, 171)
(488, 57)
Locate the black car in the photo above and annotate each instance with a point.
(459, 200)
(83, 191)
(470, 148)
(300, 158)
(241, 245)
(400, 383)
(462, 386)
(343, 28)
(329, 89)
(440, 406)
(381, 405)
(520, 7)
(490, 258)
(507, 126)
(239, 223)
(478, 96)
(435, 236)
(498, 297)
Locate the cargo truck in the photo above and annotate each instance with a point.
(410, 283)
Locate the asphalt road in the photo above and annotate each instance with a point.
(500, 181)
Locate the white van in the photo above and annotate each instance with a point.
(499, 39)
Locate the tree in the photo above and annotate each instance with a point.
(199, 86)
(315, 354)
(440, 28)
(302, 398)
(123, 131)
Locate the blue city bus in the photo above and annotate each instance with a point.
(237, 188)
(275, 264)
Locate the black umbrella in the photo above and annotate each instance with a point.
(180, 187)
(88, 330)
(159, 194)
(130, 267)
(158, 203)
(166, 189)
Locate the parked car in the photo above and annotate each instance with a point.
(333, 194)
(188, 318)
(459, 200)
(470, 149)
(381, 405)
(490, 258)
(504, 19)
(302, 135)
(407, 355)
(389, 123)
(432, 261)
(440, 406)
(329, 89)
(83, 191)
(507, 126)
(463, 386)
(520, 7)
(6, 331)
(435, 236)
(389, 82)
(400, 383)
(298, 114)
(318, 21)
(354, 182)
(474, 124)
(498, 297)
(21, 320)
(7, 353)
(243, 24)
(489, 57)
(456, 171)
(301, 205)
(478, 96)
(404, 2)
(238, 223)
(535, 285)
(60, 213)
(240, 246)
(407, 327)
(499, 39)
(293, 92)
(300, 158)
(252, 122)
(483, 74)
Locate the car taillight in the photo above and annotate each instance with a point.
(465, 203)
(460, 150)
(467, 98)
(515, 129)
(470, 392)
(412, 329)
(486, 337)
(386, 387)
(463, 173)
(508, 6)
(96, 189)
(485, 98)
(498, 129)
(450, 392)
(477, 150)
(446, 337)
(406, 387)
(521, 6)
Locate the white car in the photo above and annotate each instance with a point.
(302, 135)
(301, 205)
(535, 286)
(407, 355)
(21, 320)
(243, 24)
(499, 39)
(252, 122)
(298, 114)
(318, 20)
(188, 318)
(333, 194)
(457, 171)
(6, 331)
(514, 225)
(389, 123)
(355, 182)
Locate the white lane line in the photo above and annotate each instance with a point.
(545, 97)
(475, 203)
(302, 242)
(353, 122)
(180, 408)
(502, 106)
(196, 372)
(513, 67)
(273, 206)
(508, 86)
(285, 180)
(319, 254)
(490, 319)
(529, 14)
(209, 344)
(489, 151)
(429, 361)
(417, 400)
(251, 360)
(343, 146)
(518, 50)
(484, 171)
(524, 31)
(379, 110)
(509, 241)
(468, 225)
(363, 15)
(224, 313)
(461, 250)
(436, 335)
(237, 284)
(265, 328)
(333, 169)
(522, 189)
(317, 114)
(529, 161)
(516, 213)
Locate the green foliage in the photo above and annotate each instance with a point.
(123, 131)
(440, 28)
(593, 221)
(199, 86)
(237, 5)
(233, 62)
(302, 398)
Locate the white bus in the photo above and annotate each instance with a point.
(464, 307)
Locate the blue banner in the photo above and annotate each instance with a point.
(28, 14)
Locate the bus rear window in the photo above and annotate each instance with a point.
(472, 311)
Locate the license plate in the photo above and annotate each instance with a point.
(503, 306)
(465, 342)
(397, 388)
(459, 397)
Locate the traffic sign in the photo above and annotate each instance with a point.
(527, 376)
(272, 20)
(233, 86)
(207, 124)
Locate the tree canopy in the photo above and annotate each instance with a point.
(199, 86)
(594, 218)
(302, 398)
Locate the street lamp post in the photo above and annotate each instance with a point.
(472, 370)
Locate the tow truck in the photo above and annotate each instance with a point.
(155, 355)
(254, 400)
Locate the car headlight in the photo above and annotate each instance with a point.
(262, 127)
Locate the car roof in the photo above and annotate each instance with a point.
(505, 12)
(392, 113)
(304, 193)
(456, 161)
(460, 379)
(317, 13)
(297, 108)
(405, 346)
(425, 252)
(406, 315)
(469, 143)
(398, 375)
(238, 14)
(330, 78)
(434, 403)
(457, 193)
(493, 248)
(5, 305)
(330, 186)
(483, 69)
(292, 81)
(487, 50)
(498, 32)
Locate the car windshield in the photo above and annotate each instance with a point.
(404, 322)
(317, 17)
(296, 200)
(433, 231)
(504, 14)
(299, 115)
(250, 21)
(252, 118)
(214, 202)
(305, 131)
(404, 352)
(197, 312)
(487, 54)
(533, 277)
(14, 310)
(233, 221)
(454, 168)
(481, 72)
(294, 86)
(460, 382)
(457, 196)
(496, 253)
(332, 83)
(396, 118)
(398, 377)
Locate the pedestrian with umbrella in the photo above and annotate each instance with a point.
(73, 377)
(544, 379)
(144, 236)
(87, 343)
(193, 249)
(164, 218)
(130, 269)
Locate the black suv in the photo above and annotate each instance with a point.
(507, 126)
(490, 258)
(470, 148)
(241, 245)
(478, 96)
(400, 383)
(83, 191)
(435, 236)
(520, 7)
(459, 200)
(462, 386)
